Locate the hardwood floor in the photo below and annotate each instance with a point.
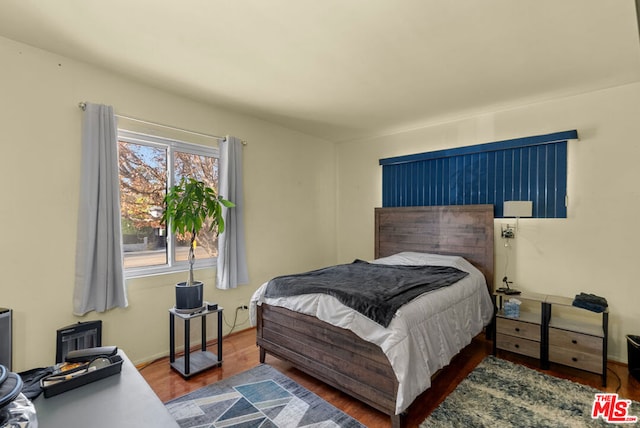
(240, 353)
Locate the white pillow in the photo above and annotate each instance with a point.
(417, 259)
(411, 258)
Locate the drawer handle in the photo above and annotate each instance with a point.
(517, 329)
(574, 359)
(574, 341)
(517, 346)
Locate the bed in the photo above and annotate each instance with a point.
(333, 343)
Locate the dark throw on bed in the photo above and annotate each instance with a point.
(374, 290)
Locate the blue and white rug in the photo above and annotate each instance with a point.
(260, 397)
(501, 394)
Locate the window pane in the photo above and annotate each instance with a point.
(203, 168)
(143, 177)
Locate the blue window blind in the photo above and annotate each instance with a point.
(523, 169)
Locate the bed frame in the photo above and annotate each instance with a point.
(337, 356)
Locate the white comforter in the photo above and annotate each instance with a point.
(424, 334)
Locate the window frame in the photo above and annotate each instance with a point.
(171, 145)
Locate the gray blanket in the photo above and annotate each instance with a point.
(374, 290)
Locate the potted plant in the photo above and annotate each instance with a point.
(188, 205)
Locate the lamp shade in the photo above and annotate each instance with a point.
(518, 209)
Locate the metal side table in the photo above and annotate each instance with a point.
(194, 362)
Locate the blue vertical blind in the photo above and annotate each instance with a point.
(523, 169)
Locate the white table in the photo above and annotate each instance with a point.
(123, 400)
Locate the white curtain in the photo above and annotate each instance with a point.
(232, 264)
(99, 283)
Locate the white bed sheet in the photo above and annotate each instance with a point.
(424, 334)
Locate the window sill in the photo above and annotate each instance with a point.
(143, 272)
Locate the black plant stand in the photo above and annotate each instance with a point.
(196, 362)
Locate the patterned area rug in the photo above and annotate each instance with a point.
(261, 397)
(502, 394)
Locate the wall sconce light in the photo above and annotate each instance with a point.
(515, 209)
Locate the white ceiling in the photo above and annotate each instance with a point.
(345, 69)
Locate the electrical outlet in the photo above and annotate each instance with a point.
(243, 307)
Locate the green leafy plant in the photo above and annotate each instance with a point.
(188, 205)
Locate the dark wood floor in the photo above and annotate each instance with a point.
(240, 353)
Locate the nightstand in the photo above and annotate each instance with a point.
(577, 343)
(524, 334)
(557, 336)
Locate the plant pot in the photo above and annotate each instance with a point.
(189, 296)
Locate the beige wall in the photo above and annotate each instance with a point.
(593, 250)
(290, 201)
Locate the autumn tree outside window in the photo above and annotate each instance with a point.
(149, 165)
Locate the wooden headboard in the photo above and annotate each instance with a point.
(462, 230)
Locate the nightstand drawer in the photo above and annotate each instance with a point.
(518, 345)
(573, 358)
(517, 328)
(576, 342)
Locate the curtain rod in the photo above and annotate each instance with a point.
(82, 105)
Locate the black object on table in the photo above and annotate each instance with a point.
(196, 362)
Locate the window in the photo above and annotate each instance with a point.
(149, 165)
(523, 169)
